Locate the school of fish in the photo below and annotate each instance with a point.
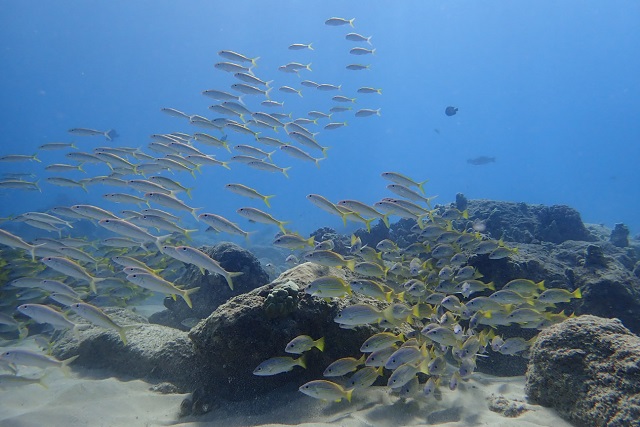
(65, 281)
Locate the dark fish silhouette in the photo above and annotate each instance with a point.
(482, 160)
(450, 111)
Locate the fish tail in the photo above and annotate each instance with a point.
(368, 224)
(351, 264)
(186, 298)
(324, 151)
(284, 171)
(109, 134)
(310, 46)
(385, 219)
(23, 332)
(540, 285)
(352, 26)
(281, 225)
(187, 233)
(577, 293)
(266, 200)
(230, 277)
(300, 93)
(308, 66)
(254, 61)
(194, 212)
(318, 161)
(369, 40)
(226, 165)
(92, 286)
(319, 343)
(123, 337)
(301, 361)
(65, 365)
(421, 185)
(266, 93)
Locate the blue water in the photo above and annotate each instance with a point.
(548, 88)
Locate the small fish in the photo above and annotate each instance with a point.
(380, 341)
(554, 296)
(364, 377)
(327, 287)
(257, 215)
(269, 167)
(220, 223)
(358, 67)
(278, 365)
(482, 160)
(358, 314)
(355, 37)
(334, 22)
(98, 317)
(366, 89)
(343, 366)
(14, 241)
(289, 89)
(303, 343)
(402, 375)
(502, 252)
(171, 202)
(300, 154)
(293, 241)
(362, 51)
(405, 354)
(25, 357)
(57, 146)
(243, 190)
(202, 260)
(524, 286)
(234, 56)
(340, 98)
(158, 284)
(11, 381)
(109, 135)
(329, 259)
(366, 112)
(45, 314)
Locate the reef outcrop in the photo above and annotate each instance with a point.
(587, 369)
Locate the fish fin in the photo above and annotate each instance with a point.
(65, 365)
(302, 361)
(577, 293)
(123, 336)
(185, 296)
(319, 343)
(284, 171)
(188, 191)
(230, 277)
(348, 394)
(266, 200)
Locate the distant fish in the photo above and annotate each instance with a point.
(300, 46)
(355, 37)
(234, 56)
(451, 111)
(482, 160)
(334, 22)
(110, 134)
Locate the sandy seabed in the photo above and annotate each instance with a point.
(91, 398)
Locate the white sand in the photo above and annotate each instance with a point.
(93, 398)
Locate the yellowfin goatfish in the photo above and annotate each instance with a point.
(97, 317)
(70, 268)
(245, 191)
(125, 228)
(171, 202)
(158, 284)
(202, 260)
(220, 223)
(110, 134)
(29, 358)
(16, 242)
(257, 215)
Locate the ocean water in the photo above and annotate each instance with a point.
(548, 90)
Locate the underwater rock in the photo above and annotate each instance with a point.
(524, 223)
(595, 257)
(587, 369)
(214, 289)
(620, 235)
(609, 291)
(239, 335)
(153, 352)
(340, 241)
(506, 407)
(462, 203)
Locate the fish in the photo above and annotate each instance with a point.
(249, 192)
(220, 223)
(405, 354)
(402, 375)
(257, 215)
(481, 160)
(364, 377)
(357, 67)
(25, 357)
(303, 343)
(45, 314)
(202, 260)
(11, 381)
(16, 242)
(340, 98)
(221, 95)
(362, 51)
(343, 366)
(380, 341)
(278, 365)
(293, 241)
(158, 284)
(358, 314)
(366, 112)
(66, 182)
(329, 259)
(300, 154)
(171, 202)
(130, 230)
(334, 22)
(300, 46)
(234, 56)
(269, 167)
(355, 37)
(109, 134)
(71, 268)
(61, 167)
(328, 286)
(367, 89)
(289, 89)
(57, 146)
(19, 185)
(326, 390)
(98, 317)
(554, 296)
